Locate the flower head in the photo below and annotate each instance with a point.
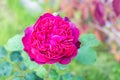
(51, 39)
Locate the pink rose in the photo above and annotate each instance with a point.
(51, 39)
(116, 6)
(99, 13)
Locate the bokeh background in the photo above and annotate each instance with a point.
(16, 15)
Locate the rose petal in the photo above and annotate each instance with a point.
(77, 44)
(74, 53)
(65, 60)
(75, 32)
(69, 51)
(52, 61)
(46, 15)
(67, 19)
(39, 58)
(26, 38)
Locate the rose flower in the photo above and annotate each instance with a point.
(51, 39)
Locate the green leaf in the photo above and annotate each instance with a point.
(79, 78)
(30, 76)
(89, 40)
(61, 67)
(5, 69)
(3, 52)
(67, 76)
(18, 73)
(53, 74)
(15, 43)
(30, 64)
(23, 66)
(3, 77)
(15, 56)
(41, 72)
(86, 56)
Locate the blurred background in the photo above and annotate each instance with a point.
(90, 16)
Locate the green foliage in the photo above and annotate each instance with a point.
(67, 76)
(23, 66)
(89, 40)
(15, 43)
(25, 16)
(5, 69)
(30, 76)
(79, 78)
(53, 74)
(86, 56)
(30, 64)
(18, 73)
(41, 72)
(17, 78)
(3, 52)
(15, 56)
(3, 77)
(61, 67)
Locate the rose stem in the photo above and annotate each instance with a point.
(47, 76)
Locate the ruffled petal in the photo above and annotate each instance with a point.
(46, 15)
(39, 58)
(26, 38)
(67, 19)
(52, 61)
(75, 32)
(65, 60)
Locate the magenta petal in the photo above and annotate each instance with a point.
(77, 44)
(47, 15)
(52, 61)
(39, 57)
(42, 17)
(28, 33)
(69, 52)
(72, 54)
(75, 53)
(26, 38)
(67, 19)
(65, 60)
(75, 32)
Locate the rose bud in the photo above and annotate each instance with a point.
(51, 39)
(99, 13)
(116, 6)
